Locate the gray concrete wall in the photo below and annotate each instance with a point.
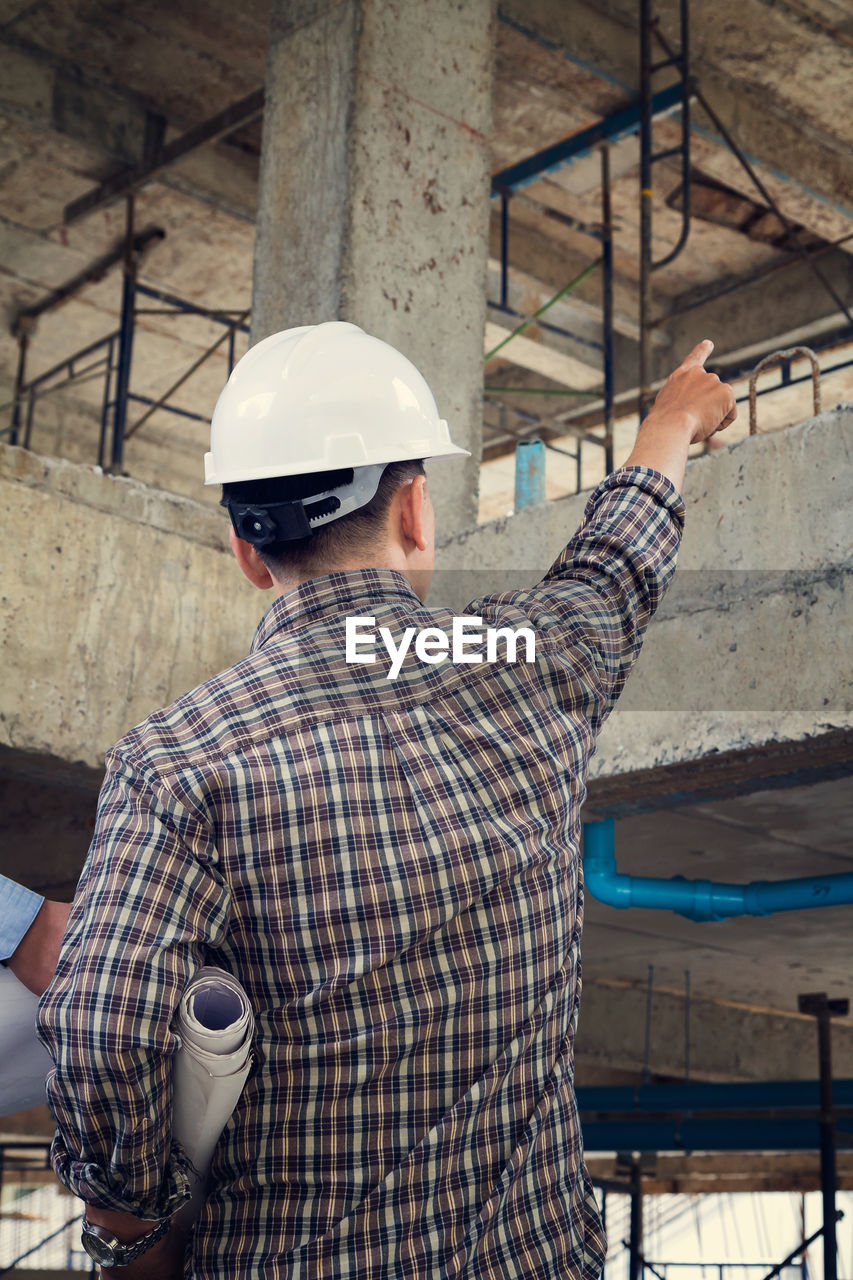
(729, 1040)
(116, 599)
(751, 646)
(752, 643)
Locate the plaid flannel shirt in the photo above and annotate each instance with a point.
(391, 870)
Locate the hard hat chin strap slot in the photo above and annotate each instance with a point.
(265, 524)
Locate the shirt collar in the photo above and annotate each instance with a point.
(330, 594)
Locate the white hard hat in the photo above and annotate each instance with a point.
(322, 397)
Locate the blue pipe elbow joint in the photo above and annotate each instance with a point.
(700, 900)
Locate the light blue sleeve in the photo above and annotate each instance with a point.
(18, 909)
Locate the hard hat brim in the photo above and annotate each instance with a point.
(233, 475)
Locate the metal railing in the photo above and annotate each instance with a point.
(110, 357)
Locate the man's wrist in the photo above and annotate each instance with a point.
(126, 1227)
(163, 1259)
(662, 443)
(680, 424)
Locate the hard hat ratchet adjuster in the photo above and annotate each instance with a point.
(263, 524)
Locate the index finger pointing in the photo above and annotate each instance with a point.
(699, 354)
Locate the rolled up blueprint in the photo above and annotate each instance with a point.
(24, 1061)
(215, 1024)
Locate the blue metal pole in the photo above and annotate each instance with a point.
(529, 473)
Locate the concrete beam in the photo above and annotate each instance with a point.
(750, 647)
(532, 251)
(554, 356)
(788, 302)
(52, 94)
(701, 1173)
(579, 318)
(720, 775)
(375, 193)
(243, 112)
(604, 37)
(728, 1041)
(536, 258)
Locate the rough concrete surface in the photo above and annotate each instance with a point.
(122, 597)
(752, 641)
(750, 645)
(729, 1040)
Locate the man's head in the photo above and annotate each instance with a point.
(318, 440)
(394, 530)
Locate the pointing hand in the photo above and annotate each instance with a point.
(697, 396)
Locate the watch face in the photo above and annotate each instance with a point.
(102, 1252)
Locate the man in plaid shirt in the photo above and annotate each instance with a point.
(388, 865)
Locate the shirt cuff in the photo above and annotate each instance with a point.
(18, 909)
(107, 1189)
(649, 481)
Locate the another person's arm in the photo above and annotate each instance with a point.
(30, 933)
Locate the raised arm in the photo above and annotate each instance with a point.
(591, 609)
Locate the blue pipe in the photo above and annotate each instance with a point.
(529, 473)
(701, 899)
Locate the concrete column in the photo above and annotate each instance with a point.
(374, 194)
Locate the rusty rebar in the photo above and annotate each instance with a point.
(780, 357)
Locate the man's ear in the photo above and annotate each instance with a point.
(413, 499)
(250, 562)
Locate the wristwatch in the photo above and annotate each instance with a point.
(108, 1251)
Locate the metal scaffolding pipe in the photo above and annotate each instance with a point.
(607, 304)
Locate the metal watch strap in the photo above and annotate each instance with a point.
(128, 1252)
(134, 1248)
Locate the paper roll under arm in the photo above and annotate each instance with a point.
(215, 1024)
